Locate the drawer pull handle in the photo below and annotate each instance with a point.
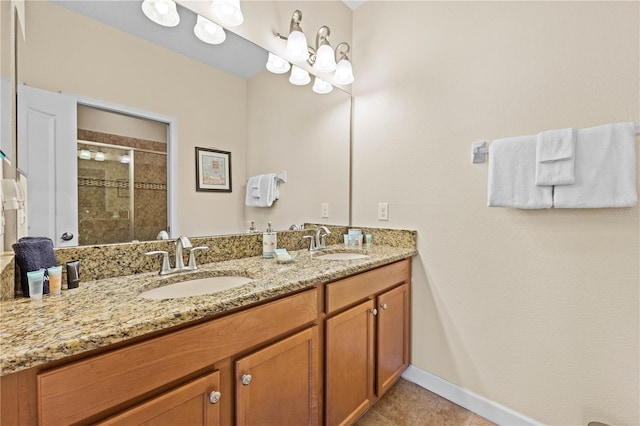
(246, 379)
(214, 397)
(374, 311)
(383, 306)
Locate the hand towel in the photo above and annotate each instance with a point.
(33, 253)
(255, 186)
(512, 175)
(605, 169)
(268, 191)
(555, 157)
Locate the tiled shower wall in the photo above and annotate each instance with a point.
(104, 194)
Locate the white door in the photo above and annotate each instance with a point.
(47, 138)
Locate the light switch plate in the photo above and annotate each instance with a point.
(383, 211)
(325, 210)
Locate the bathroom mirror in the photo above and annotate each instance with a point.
(268, 125)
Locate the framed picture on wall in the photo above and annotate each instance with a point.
(213, 170)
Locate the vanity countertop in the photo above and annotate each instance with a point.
(108, 311)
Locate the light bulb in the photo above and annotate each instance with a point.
(344, 72)
(277, 65)
(85, 154)
(208, 31)
(325, 59)
(320, 86)
(227, 12)
(99, 156)
(162, 12)
(297, 47)
(299, 77)
(125, 159)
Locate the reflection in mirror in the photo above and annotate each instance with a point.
(267, 124)
(122, 180)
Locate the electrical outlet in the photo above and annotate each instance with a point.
(383, 211)
(325, 210)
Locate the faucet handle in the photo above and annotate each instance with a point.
(165, 268)
(312, 245)
(192, 257)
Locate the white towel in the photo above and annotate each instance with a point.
(254, 183)
(605, 169)
(268, 191)
(555, 157)
(512, 175)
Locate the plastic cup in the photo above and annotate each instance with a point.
(36, 283)
(55, 279)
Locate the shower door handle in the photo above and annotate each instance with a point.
(67, 236)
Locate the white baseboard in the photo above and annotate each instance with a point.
(488, 409)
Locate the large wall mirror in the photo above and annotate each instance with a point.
(85, 49)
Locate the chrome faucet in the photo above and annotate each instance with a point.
(181, 244)
(320, 240)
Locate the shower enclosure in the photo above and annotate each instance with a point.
(122, 192)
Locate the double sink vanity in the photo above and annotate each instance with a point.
(313, 341)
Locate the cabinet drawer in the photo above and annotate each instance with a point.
(353, 289)
(85, 388)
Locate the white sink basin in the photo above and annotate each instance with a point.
(342, 256)
(195, 287)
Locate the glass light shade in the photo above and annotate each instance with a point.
(227, 12)
(162, 12)
(299, 77)
(208, 31)
(277, 65)
(99, 156)
(85, 154)
(320, 86)
(297, 47)
(125, 159)
(344, 72)
(325, 59)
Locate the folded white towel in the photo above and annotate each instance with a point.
(267, 192)
(512, 175)
(605, 169)
(254, 183)
(555, 157)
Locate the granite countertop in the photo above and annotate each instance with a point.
(108, 311)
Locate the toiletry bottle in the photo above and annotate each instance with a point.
(269, 242)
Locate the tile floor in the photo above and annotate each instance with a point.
(407, 404)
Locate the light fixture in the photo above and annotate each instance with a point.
(227, 12)
(325, 57)
(277, 65)
(125, 159)
(296, 48)
(99, 156)
(299, 77)
(162, 12)
(344, 70)
(321, 87)
(208, 31)
(85, 154)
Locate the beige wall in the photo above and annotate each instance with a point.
(313, 149)
(115, 67)
(536, 310)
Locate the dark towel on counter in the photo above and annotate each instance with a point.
(33, 253)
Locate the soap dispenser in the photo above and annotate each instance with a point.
(269, 242)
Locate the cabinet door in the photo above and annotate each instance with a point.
(194, 403)
(278, 384)
(349, 364)
(393, 336)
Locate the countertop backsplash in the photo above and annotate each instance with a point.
(116, 260)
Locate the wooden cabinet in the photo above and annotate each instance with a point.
(349, 364)
(277, 385)
(194, 403)
(367, 345)
(94, 388)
